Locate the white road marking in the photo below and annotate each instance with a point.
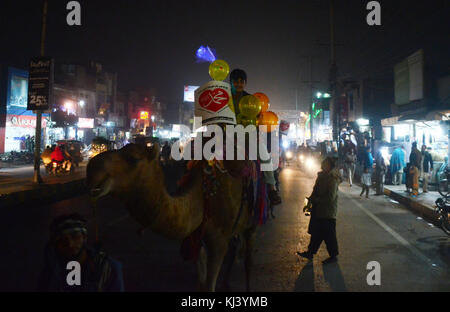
(397, 236)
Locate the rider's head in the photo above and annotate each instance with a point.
(238, 79)
(68, 233)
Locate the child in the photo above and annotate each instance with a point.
(367, 182)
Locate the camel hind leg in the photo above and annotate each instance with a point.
(202, 269)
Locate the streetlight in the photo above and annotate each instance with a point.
(318, 95)
(81, 103)
(153, 118)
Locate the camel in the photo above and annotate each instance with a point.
(134, 175)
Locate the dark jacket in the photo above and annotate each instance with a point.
(415, 158)
(427, 162)
(325, 195)
(103, 275)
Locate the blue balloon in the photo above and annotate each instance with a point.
(205, 54)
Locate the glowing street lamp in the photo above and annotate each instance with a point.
(318, 95)
(81, 103)
(153, 118)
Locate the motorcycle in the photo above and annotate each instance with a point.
(56, 168)
(443, 209)
(443, 184)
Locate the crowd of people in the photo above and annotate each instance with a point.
(402, 169)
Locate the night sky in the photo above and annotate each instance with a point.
(153, 43)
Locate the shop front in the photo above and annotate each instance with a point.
(429, 129)
(18, 132)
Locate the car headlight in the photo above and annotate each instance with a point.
(309, 162)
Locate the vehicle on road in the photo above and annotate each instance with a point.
(99, 145)
(443, 209)
(443, 184)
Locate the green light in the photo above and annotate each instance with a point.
(313, 106)
(326, 95)
(317, 113)
(318, 95)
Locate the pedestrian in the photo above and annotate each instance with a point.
(427, 167)
(415, 159)
(350, 163)
(68, 242)
(165, 152)
(397, 163)
(368, 159)
(366, 182)
(322, 225)
(380, 171)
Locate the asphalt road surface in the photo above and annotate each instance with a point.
(413, 255)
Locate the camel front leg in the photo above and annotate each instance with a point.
(229, 265)
(202, 269)
(216, 253)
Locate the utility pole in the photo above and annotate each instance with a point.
(37, 152)
(333, 77)
(311, 82)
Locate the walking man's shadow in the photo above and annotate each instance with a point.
(332, 274)
(305, 280)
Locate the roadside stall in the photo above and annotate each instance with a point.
(429, 129)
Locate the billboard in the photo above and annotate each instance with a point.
(40, 83)
(189, 95)
(17, 91)
(409, 79)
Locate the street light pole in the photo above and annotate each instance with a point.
(37, 152)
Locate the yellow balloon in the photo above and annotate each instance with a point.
(245, 121)
(250, 106)
(219, 70)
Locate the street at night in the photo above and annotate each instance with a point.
(225, 155)
(414, 255)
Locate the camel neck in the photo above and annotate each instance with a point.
(174, 216)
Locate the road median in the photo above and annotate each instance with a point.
(44, 194)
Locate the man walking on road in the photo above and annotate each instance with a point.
(322, 225)
(427, 167)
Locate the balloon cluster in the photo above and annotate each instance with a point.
(254, 111)
(253, 108)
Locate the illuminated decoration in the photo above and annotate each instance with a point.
(205, 54)
(143, 116)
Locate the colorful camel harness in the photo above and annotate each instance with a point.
(190, 248)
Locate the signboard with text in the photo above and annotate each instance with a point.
(40, 83)
(189, 93)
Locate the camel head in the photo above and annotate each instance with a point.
(119, 172)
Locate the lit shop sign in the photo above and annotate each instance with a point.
(144, 115)
(23, 121)
(86, 123)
